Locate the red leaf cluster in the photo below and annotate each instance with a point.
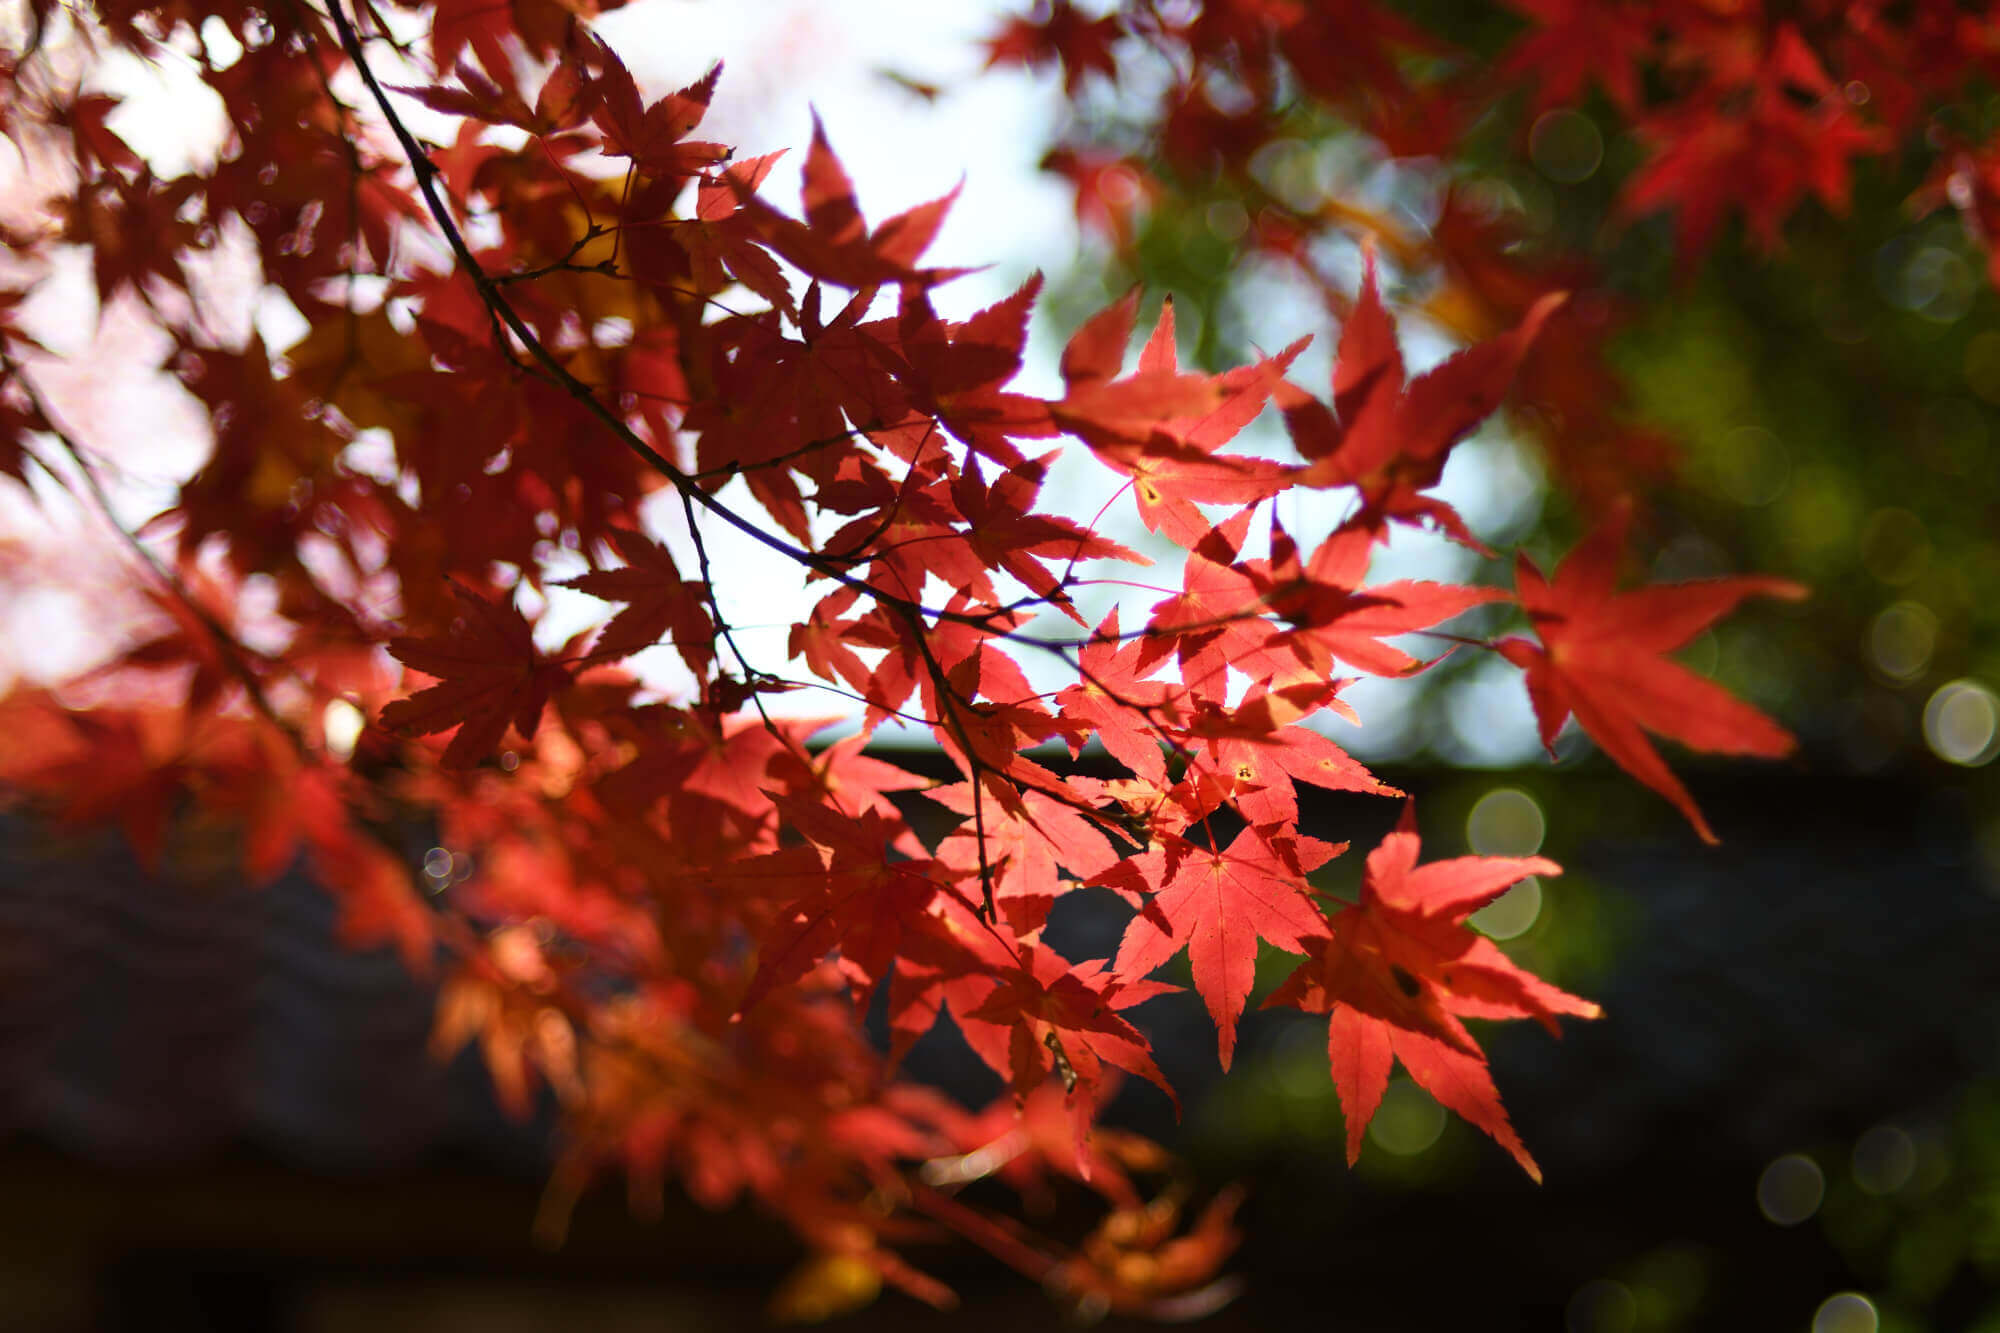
(668, 904)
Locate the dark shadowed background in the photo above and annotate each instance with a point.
(219, 1118)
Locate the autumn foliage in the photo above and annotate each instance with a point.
(568, 343)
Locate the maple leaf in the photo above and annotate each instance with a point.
(137, 232)
(857, 898)
(834, 243)
(1064, 36)
(654, 137)
(1216, 904)
(1023, 1142)
(1388, 439)
(1024, 848)
(489, 674)
(1169, 477)
(720, 239)
(1122, 709)
(1758, 140)
(1574, 43)
(842, 777)
(1104, 410)
(1062, 1017)
(1161, 427)
(1262, 768)
(1352, 53)
(1395, 972)
(781, 406)
(1217, 617)
(1335, 618)
(1003, 532)
(96, 765)
(1178, 465)
(660, 602)
(823, 640)
(1601, 659)
(377, 902)
(958, 370)
(542, 26)
(563, 105)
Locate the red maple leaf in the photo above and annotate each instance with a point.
(1396, 971)
(855, 898)
(1216, 904)
(1217, 616)
(1123, 710)
(1578, 42)
(957, 372)
(97, 764)
(823, 641)
(834, 243)
(1110, 413)
(1387, 439)
(489, 673)
(1335, 618)
(1024, 848)
(659, 602)
(720, 239)
(1161, 427)
(1759, 139)
(1062, 1017)
(654, 137)
(1354, 54)
(1063, 35)
(1261, 769)
(1600, 658)
(1002, 531)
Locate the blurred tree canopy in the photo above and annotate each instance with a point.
(1772, 221)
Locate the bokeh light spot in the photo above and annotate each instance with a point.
(1566, 146)
(1884, 1160)
(1962, 723)
(1408, 1121)
(1926, 280)
(1505, 822)
(1846, 1312)
(1901, 640)
(1119, 186)
(1752, 466)
(1512, 913)
(1945, 283)
(1227, 219)
(1602, 1306)
(1300, 1068)
(341, 723)
(1818, 514)
(1790, 1189)
(1289, 169)
(1488, 721)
